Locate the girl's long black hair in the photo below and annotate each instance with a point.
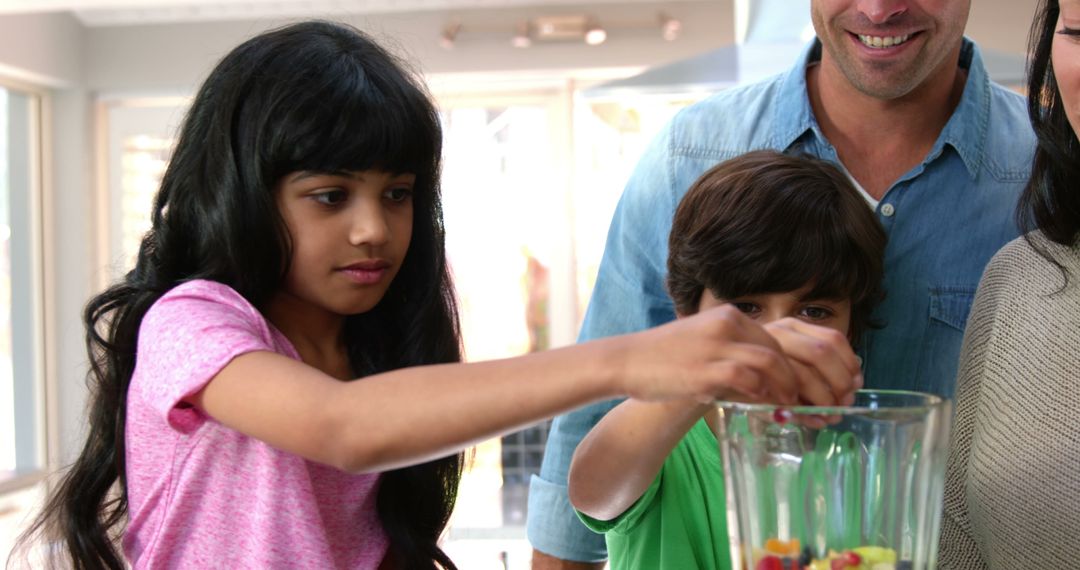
(1050, 203)
(312, 96)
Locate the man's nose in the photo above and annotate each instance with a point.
(881, 11)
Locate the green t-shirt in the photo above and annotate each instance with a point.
(680, 523)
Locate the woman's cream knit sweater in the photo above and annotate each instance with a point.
(1012, 497)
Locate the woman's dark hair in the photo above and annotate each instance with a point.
(313, 96)
(1050, 203)
(765, 222)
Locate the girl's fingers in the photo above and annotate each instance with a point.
(829, 337)
(824, 350)
(777, 380)
(813, 388)
(810, 421)
(706, 356)
(731, 380)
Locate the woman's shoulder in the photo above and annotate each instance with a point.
(1022, 261)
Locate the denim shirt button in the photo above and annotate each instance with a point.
(887, 210)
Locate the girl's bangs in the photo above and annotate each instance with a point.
(354, 123)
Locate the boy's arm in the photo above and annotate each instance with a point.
(629, 295)
(621, 456)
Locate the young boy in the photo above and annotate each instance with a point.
(780, 238)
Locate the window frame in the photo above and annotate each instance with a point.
(43, 396)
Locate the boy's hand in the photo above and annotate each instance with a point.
(716, 354)
(827, 369)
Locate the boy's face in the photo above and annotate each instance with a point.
(768, 307)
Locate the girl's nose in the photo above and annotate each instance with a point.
(369, 226)
(881, 11)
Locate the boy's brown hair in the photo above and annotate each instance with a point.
(766, 222)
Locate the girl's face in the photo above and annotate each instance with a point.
(768, 307)
(1065, 56)
(350, 232)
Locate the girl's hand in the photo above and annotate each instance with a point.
(826, 369)
(719, 353)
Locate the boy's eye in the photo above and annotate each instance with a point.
(748, 308)
(399, 194)
(331, 197)
(816, 313)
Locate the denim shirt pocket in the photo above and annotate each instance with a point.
(949, 308)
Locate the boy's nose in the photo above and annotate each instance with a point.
(881, 11)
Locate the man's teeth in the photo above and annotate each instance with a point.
(883, 42)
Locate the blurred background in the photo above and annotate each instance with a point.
(546, 105)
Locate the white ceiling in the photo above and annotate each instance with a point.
(135, 12)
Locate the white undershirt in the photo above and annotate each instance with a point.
(869, 199)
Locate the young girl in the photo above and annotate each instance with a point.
(787, 241)
(297, 244)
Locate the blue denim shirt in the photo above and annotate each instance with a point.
(945, 219)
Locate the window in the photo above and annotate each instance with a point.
(140, 139)
(22, 386)
(505, 185)
(530, 181)
(23, 434)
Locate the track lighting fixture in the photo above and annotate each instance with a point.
(449, 35)
(521, 38)
(594, 34)
(669, 27)
(564, 28)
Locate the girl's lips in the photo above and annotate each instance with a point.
(366, 272)
(364, 276)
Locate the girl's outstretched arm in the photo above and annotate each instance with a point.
(413, 415)
(621, 456)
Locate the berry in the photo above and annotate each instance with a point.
(851, 558)
(770, 563)
(781, 416)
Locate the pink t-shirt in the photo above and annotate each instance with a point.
(201, 495)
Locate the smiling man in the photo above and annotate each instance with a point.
(894, 94)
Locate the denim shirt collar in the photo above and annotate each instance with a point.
(965, 131)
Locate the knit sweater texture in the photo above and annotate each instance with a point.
(1012, 497)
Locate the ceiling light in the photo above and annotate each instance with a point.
(449, 35)
(521, 37)
(669, 27)
(595, 35)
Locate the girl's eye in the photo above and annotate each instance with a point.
(399, 194)
(748, 308)
(1074, 32)
(332, 197)
(816, 313)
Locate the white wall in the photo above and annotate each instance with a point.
(42, 48)
(1001, 24)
